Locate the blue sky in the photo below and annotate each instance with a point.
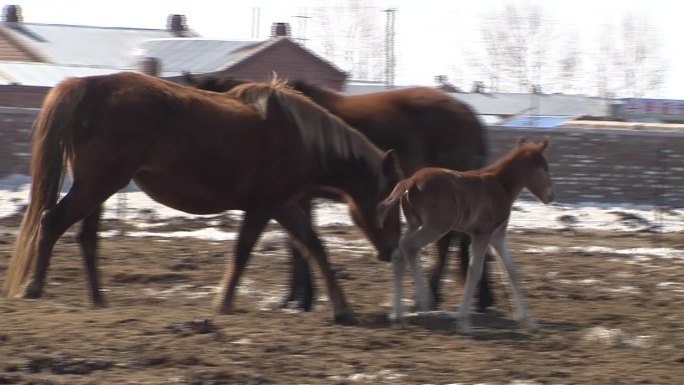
(425, 30)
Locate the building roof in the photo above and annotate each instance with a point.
(199, 55)
(44, 75)
(107, 47)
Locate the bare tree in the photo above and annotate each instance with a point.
(569, 63)
(629, 60)
(350, 33)
(516, 45)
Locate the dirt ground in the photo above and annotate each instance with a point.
(607, 318)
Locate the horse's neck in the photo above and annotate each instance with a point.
(511, 178)
(353, 177)
(323, 97)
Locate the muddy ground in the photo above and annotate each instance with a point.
(606, 317)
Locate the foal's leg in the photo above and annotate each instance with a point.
(410, 246)
(89, 241)
(398, 268)
(498, 241)
(252, 226)
(479, 247)
(298, 224)
(485, 295)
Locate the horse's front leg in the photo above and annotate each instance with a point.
(252, 226)
(500, 245)
(296, 221)
(89, 242)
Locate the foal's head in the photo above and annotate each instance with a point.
(538, 179)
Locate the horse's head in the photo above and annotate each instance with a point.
(539, 180)
(212, 83)
(384, 236)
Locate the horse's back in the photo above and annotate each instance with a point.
(467, 200)
(427, 127)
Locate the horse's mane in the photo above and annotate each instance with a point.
(321, 131)
(309, 89)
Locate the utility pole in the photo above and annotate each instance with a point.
(389, 47)
(302, 19)
(256, 15)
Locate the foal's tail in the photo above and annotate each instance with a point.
(383, 207)
(51, 151)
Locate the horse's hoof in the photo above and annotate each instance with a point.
(346, 319)
(31, 291)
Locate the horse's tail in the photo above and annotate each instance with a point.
(399, 189)
(51, 151)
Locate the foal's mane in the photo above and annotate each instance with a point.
(321, 131)
(524, 147)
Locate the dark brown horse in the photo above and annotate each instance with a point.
(258, 148)
(436, 201)
(425, 126)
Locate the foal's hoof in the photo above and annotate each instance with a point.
(531, 325)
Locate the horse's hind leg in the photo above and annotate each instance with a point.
(298, 224)
(302, 289)
(252, 226)
(78, 203)
(440, 266)
(89, 242)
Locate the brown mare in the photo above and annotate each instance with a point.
(258, 148)
(438, 200)
(425, 126)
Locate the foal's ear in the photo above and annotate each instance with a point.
(543, 144)
(521, 140)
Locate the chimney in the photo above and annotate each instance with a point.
(177, 24)
(150, 66)
(12, 14)
(280, 29)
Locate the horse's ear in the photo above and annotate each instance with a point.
(188, 77)
(543, 144)
(390, 161)
(521, 140)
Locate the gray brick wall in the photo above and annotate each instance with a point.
(588, 165)
(606, 165)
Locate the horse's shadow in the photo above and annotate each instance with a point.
(493, 325)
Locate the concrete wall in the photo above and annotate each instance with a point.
(588, 165)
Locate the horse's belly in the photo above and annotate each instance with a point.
(190, 194)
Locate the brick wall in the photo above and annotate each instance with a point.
(607, 166)
(15, 133)
(587, 165)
